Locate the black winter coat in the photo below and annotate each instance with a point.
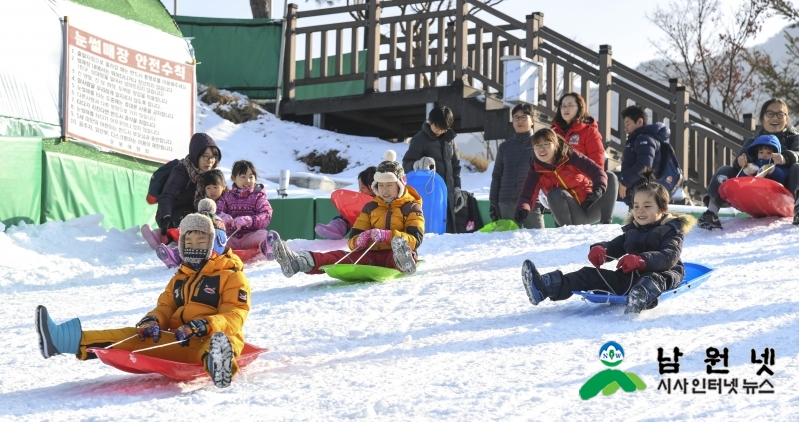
(510, 168)
(641, 151)
(659, 244)
(789, 141)
(177, 197)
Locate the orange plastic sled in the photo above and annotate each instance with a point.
(140, 364)
(247, 254)
(349, 203)
(757, 196)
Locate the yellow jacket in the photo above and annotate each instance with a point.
(403, 216)
(219, 293)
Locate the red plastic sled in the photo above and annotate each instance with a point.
(349, 203)
(140, 364)
(757, 196)
(247, 254)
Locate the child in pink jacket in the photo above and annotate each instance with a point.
(245, 209)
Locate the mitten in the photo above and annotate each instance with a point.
(148, 327)
(592, 197)
(751, 169)
(425, 163)
(362, 240)
(521, 215)
(227, 219)
(195, 327)
(493, 211)
(380, 235)
(542, 199)
(629, 263)
(242, 222)
(459, 202)
(597, 256)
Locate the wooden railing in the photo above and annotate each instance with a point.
(460, 44)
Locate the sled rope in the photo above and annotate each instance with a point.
(120, 341)
(351, 252)
(430, 179)
(365, 252)
(632, 276)
(160, 345)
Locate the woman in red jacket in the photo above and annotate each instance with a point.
(572, 184)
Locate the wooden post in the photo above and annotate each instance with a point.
(673, 84)
(604, 94)
(679, 138)
(623, 101)
(749, 122)
(586, 89)
(551, 84)
(289, 69)
(451, 52)
(373, 49)
(568, 81)
(461, 38)
(534, 23)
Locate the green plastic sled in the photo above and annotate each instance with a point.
(499, 226)
(362, 273)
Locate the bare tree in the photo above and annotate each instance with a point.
(261, 9)
(707, 52)
(781, 80)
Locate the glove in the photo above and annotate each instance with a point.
(459, 202)
(243, 221)
(425, 163)
(751, 169)
(195, 327)
(592, 197)
(148, 327)
(629, 263)
(597, 256)
(521, 215)
(380, 235)
(166, 223)
(362, 240)
(228, 220)
(493, 211)
(542, 199)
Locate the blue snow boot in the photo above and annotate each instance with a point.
(537, 286)
(55, 339)
(644, 295)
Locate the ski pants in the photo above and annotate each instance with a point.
(251, 240)
(727, 172)
(619, 283)
(383, 258)
(566, 211)
(196, 352)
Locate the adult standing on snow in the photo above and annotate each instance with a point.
(642, 150)
(510, 170)
(184, 188)
(775, 121)
(572, 183)
(435, 146)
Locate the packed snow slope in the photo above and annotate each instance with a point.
(457, 341)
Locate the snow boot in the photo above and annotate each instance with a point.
(336, 229)
(265, 246)
(152, 237)
(709, 221)
(644, 295)
(219, 361)
(291, 262)
(55, 339)
(169, 256)
(796, 215)
(403, 255)
(537, 286)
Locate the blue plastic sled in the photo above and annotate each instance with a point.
(695, 274)
(431, 187)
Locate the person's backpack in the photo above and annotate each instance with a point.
(669, 173)
(158, 180)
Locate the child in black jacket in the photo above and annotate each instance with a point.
(651, 245)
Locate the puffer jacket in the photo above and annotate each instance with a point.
(576, 173)
(239, 202)
(403, 216)
(642, 151)
(789, 140)
(218, 293)
(659, 244)
(177, 197)
(585, 138)
(510, 168)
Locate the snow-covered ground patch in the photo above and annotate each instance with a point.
(457, 341)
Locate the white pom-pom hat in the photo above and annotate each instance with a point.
(390, 170)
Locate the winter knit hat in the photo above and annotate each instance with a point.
(390, 170)
(203, 222)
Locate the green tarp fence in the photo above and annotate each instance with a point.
(148, 12)
(21, 178)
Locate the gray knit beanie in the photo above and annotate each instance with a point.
(196, 222)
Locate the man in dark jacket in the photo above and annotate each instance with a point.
(184, 187)
(435, 146)
(642, 150)
(510, 170)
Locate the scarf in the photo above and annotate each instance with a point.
(194, 175)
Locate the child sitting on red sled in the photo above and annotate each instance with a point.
(648, 254)
(387, 232)
(204, 305)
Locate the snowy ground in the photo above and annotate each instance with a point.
(458, 341)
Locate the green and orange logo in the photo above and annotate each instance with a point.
(610, 380)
